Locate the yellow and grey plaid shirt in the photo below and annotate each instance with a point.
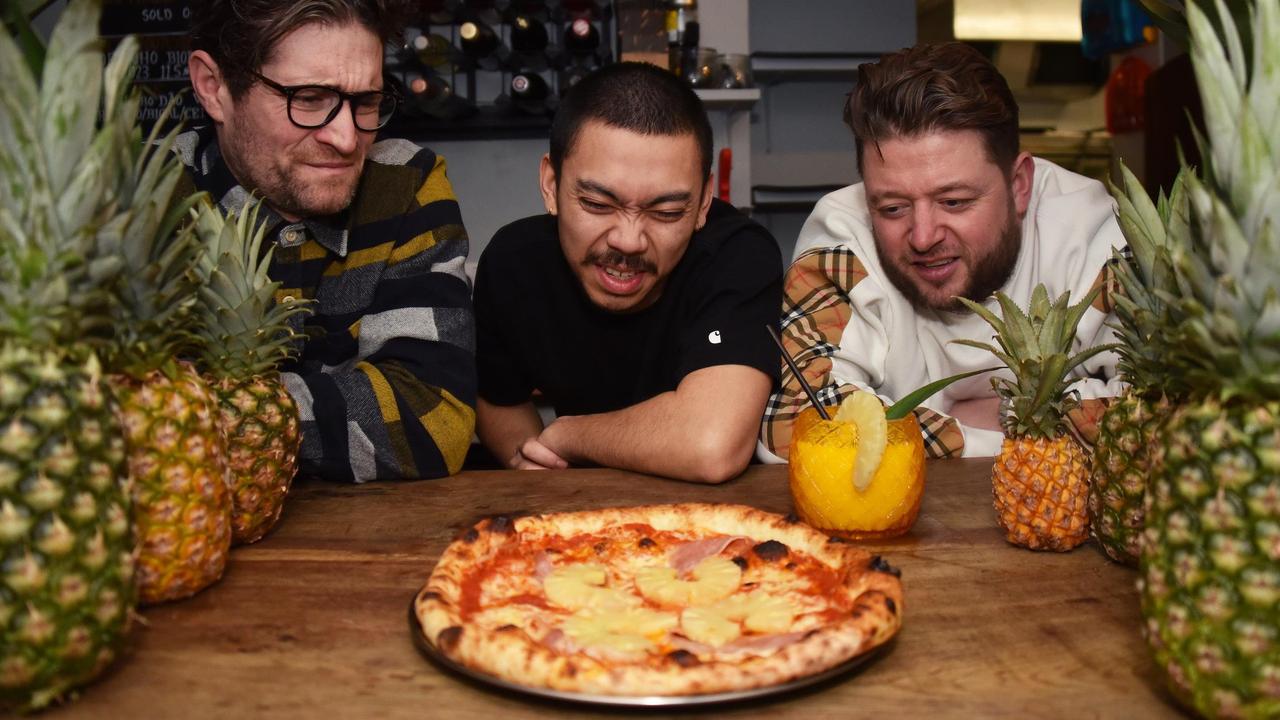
(385, 380)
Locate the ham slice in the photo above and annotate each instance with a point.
(541, 566)
(686, 556)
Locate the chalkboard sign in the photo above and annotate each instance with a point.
(144, 17)
(163, 49)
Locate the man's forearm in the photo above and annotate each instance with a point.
(699, 434)
(503, 428)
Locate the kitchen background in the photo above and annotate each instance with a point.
(482, 78)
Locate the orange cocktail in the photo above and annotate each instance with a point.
(823, 458)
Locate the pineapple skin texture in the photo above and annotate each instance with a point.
(66, 536)
(263, 433)
(1041, 493)
(1123, 459)
(178, 466)
(1210, 565)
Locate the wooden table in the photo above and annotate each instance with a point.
(311, 622)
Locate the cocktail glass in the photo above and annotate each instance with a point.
(823, 453)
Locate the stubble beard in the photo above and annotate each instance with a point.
(989, 273)
(278, 184)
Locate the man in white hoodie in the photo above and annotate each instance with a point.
(948, 207)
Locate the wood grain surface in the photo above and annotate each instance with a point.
(311, 622)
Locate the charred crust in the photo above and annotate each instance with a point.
(790, 566)
(893, 606)
(600, 547)
(448, 638)
(430, 595)
(856, 612)
(647, 542)
(741, 562)
(770, 550)
(471, 535)
(503, 524)
(879, 564)
(507, 628)
(837, 540)
(749, 585)
(684, 658)
(791, 518)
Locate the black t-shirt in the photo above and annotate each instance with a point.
(537, 329)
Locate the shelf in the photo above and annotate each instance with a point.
(776, 66)
(729, 99)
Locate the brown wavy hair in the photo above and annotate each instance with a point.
(927, 88)
(241, 35)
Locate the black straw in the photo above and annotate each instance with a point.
(813, 397)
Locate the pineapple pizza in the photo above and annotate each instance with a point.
(657, 600)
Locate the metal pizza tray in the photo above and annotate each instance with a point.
(427, 648)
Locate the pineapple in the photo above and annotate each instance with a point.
(712, 579)
(1041, 477)
(66, 540)
(1209, 578)
(575, 587)
(629, 633)
(709, 625)
(176, 448)
(1122, 459)
(246, 336)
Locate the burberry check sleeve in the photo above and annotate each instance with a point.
(815, 312)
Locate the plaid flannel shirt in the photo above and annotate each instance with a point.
(815, 312)
(385, 378)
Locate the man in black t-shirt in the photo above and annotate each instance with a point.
(638, 305)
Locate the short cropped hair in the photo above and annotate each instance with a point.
(241, 35)
(927, 88)
(633, 96)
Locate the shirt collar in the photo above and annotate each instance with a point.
(216, 178)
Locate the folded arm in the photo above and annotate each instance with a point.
(703, 431)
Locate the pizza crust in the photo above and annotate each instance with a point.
(867, 587)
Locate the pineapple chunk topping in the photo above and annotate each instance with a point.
(577, 587)
(865, 412)
(718, 624)
(709, 626)
(712, 579)
(629, 632)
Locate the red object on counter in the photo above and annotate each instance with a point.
(1126, 96)
(726, 167)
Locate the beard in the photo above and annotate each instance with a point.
(268, 172)
(987, 273)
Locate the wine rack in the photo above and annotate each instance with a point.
(496, 68)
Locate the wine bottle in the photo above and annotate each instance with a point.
(528, 35)
(529, 92)
(432, 50)
(581, 37)
(432, 96)
(482, 45)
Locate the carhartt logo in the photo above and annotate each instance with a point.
(714, 337)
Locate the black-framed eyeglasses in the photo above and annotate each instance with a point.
(314, 106)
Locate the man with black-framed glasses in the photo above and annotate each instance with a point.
(370, 231)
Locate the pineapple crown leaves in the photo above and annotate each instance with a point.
(1146, 278)
(59, 163)
(157, 293)
(1229, 342)
(1035, 346)
(246, 332)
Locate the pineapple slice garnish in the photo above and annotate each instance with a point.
(576, 587)
(710, 626)
(629, 632)
(865, 412)
(712, 579)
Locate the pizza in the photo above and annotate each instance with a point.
(656, 600)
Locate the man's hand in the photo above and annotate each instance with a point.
(982, 413)
(534, 455)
